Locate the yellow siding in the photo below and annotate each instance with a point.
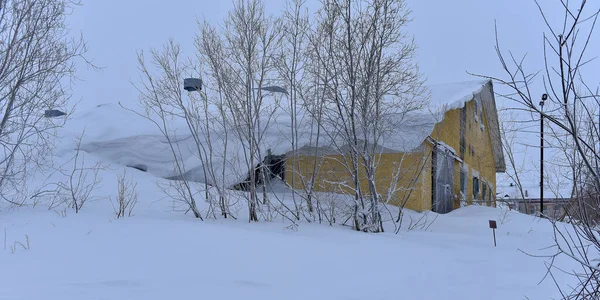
(332, 175)
(478, 140)
(397, 176)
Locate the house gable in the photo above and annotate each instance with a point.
(469, 132)
(491, 112)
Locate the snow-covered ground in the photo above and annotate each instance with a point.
(160, 253)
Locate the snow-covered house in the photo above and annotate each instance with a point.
(430, 159)
(435, 159)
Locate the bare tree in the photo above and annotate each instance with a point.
(37, 58)
(215, 75)
(246, 49)
(306, 104)
(510, 127)
(206, 122)
(235, 108)
(161, 97)
(82, 179)
(291, 63)
(365, 57)
(71, 184)
(127, 196)
(571, 110)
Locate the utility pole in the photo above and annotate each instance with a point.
(544, 97)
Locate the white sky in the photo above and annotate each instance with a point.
(453, 37)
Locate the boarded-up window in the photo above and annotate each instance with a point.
(484, 192)
(475, 188)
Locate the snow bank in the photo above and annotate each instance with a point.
(157, 255)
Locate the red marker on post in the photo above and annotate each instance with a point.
(493, 227)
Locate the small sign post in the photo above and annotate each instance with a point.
(493, 226)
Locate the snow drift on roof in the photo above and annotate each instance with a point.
(125, 138)
(414, 127)
(450, 96)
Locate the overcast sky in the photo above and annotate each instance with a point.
(453, 37)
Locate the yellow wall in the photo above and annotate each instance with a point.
(480, 160)
(401, 169)
(332, 176)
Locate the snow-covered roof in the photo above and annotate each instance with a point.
(448, 96)
(410, 129)
(418, 125)
(126, 138)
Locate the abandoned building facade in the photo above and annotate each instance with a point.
(449, 155)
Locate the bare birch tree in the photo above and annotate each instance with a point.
(216, 114)
(37, 58)
(241, 57)
(290, 64)
(162, 98)
(365, 56)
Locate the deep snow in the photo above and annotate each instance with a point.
(165, 255)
